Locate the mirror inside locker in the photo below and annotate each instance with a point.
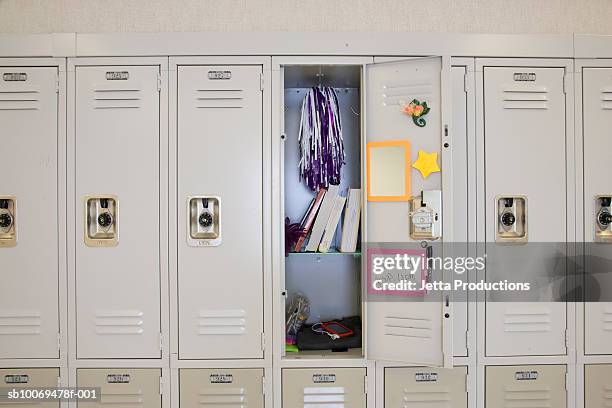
(204, 221)
(101, 221)
(603, 206)
(8, 230)
(511, 219)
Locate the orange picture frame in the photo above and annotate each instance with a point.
(390, 169)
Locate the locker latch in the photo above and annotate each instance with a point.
(426, 216)
(511, 219)
(8, 227)
(603, 221)
(101, 221)
(204, 214)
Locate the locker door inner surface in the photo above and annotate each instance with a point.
(525, 154)
(117, 154)
(122, 387)
(29, 316)
(220, 156)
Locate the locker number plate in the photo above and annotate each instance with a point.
(219, 75)
(17, 379)
(426, 377)
(15, 76)
(221, 378)
(525, 76)
(118, 378)
(323, 378)
(526, 375)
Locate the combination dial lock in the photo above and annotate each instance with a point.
(5, 220)
(508, 219)
(604, 218)
(205, 219)
(105, 220)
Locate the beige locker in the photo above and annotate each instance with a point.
(29, 378)
(324, 387)
(425, 386)
(526, 386)
(598, 386)
(221, 387)
(122, 387)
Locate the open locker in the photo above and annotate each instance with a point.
(220, 145)
(122, 387)
(597, 218)
(117, 217)
(526, 142)
(425, 386)
(228, 387)
(321, 279)
(24, 378)
(30, 217)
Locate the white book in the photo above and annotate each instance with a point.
(332, 224)
(322, 217)
(350, 227)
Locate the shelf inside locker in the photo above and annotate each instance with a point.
(355, 353)
(330, 253)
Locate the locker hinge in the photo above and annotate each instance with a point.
(161, 385)
(263, 385)
(365, 384)
(59, 382)
(59, 342)
(567, 384)
(467, 340)
(468, 384)
(261, 81)
(161, 343)
(159, 82)
(466, 83)
(263, 341)
(566, 84)
(57, 84)
(566, 339)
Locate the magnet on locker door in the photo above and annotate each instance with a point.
(101, 221)
(8, 223)
(23, 378)
(426, 216)
(122, 387)
(221, 387)
(543, 385)
(338, 387)
(425, 386)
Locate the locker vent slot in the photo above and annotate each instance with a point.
(219, 98)
(525, 97)
(119, 322)
(324, 397)
(405, 326)
(123, 398)
(226, 397)
(606, 98)
(108, 98)
(22, 322)
(19, 100)
(222, 322)
(399, 93)
(434, 397)
(527, 397)
(527, 321)
(607, 319)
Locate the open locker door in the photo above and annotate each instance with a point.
(410, 329)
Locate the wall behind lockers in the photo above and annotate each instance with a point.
(486, 16)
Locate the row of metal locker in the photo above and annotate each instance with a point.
(524, 386)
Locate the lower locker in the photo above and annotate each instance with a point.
(20, 378)
(229, 388)
(424, 386)
(324, 387)
(122, 387)
(534, 386)
(598, 386)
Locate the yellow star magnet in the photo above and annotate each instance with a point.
(427, 163)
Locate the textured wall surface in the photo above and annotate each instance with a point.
(470, 16)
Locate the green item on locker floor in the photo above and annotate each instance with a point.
(291, 348)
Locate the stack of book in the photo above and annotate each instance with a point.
(322, 217)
